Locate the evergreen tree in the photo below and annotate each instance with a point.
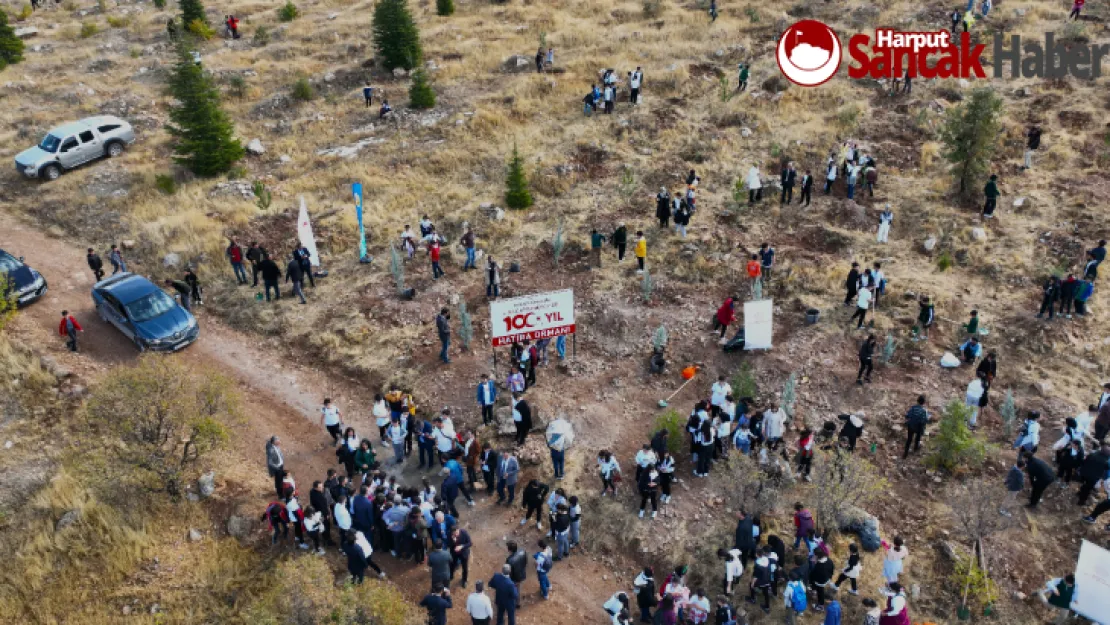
(445, 7)
(11, 47)
(517, 194)
(954, 448)
(421, 95)
(204, 138)
(192, 10)
(970, 134)
(395, 36)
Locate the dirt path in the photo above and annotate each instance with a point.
(283, 399)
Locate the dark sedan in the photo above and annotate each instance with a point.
(144, 312)
(20, 281)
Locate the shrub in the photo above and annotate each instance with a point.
(262, 195)
(675, 425)
(647, 286)
(8, 305)
(167, 416)
(135, 53)
(445, 7)
(558, 243)
(118, 21)
(421, 95)
(397, 268)
(288, 12)
(88, 29)
(517, 193)
(395, 35)
(970, 134)
(659, 339)
(754, 490)
(982, 592)
(102, 5)
(944, 261)
(790, 394)
(192, 10)
(25, 13)
(1008, 412)
(165, 183)
(954, 448)
(159, 4)
(743, 382)
(888, 349)
(303, 90)
(740, 193)
(843, 481)
(847, 117)
(724, 89)
(237, 85)
(261, 36)
(652, 8)
(466, 326)
(11, 47)
(204, 137)
(201, 29)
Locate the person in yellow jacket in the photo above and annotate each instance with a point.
(640, 250)
(969, 21)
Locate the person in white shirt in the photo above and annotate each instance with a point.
(734, 567)
(444, 435)
(397, 433)
(718, 393)
(609, 468)
(329, 418)
(608, 95)
(755, 185)
(1030, 437)
(342, 517)
(408, 241)
(666, 476)
(697, 608)
(616, 603)
(478, 605)
(877, 278)
(380, 411)
(896, 600)
(774, 426)
(728, 408)
(645, 459)
(863, 303)
(314, 527)
(634, 83)
(1083, 422)
(971, 400)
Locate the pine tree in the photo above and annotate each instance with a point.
(466, 326)
(517, 194)
(395, 36)
(204, 138)
(970, 134)
(192, 10)
(445, 7)
(790, 394)
(421, 94)
(954, 448)
(11, 47)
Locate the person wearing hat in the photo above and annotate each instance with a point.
(663, 207)
(885, 219)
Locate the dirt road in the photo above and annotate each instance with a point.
(283, 399)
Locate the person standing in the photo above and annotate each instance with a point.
(191, 279)
(620, 240)
(885, 219)
(1050, 293)
(304, 257)
(851, 285)
(649, 491)
(468, 242)
(608, 95)
(743, 78)
(490, 464)
(762, 576)
(95, 264)
(330, 419)
(433, 255)
(726, 314)
(820, 577)
(439, 562)
(532, 502)
(368, 94)
(1076, 8)
(522, 418)
(640, 251)
(788, 178)
(115, 256)
(1033, 136)
(507, 475)
(443, 329)
(487, 396)
(255, 252)
(805, 453)
(766, 261)
(830, 175)
(610, 470)
(1041, 476)
(544, 564)
(437, 603)
(646, 597)
(397, 434)
(925, 316)
(518, 567)
(493, 278)
(1092, 471)
(990, 191)
(506, 595)
(916, 419)
(635, 83)
(478, 605)
(271, 273)
(69, 328)
(294, 274)
(755, 185)
(807, 189)
(597, 240)
(663, 207)
(851, 570)
(682, 218)
(863, 304)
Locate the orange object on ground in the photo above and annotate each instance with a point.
(689, 372)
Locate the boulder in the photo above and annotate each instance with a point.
(255, 147)
(979, 234)
(399, 72)
(69, 518)
(1019, 202)
(127, 244)
(51, 365)
(171, 260)
(195, 536)
(206, 484)
(517, 63)
(862, 524)
(930, 243)
(26, 32)
(1044, 387)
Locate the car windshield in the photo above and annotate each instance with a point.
(50, 144)
(150, 306)
(8, 263)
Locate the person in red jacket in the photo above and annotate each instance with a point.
(433, 253)
(234, 254)
(69, 328)
(726, 314)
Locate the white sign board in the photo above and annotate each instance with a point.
(531, 317)
(1092, 581)
(757, 324)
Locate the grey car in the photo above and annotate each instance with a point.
(74, 144)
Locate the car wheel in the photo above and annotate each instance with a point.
(51, 172)
(140, 345)
(115, 149)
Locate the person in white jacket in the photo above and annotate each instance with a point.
(971, 400)
(774, 425)
(380, 411)
(885, 219)
(397, 434)
(1030, 437)
(718, 393)
(755, 185)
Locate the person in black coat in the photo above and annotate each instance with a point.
(525, 424)
(1051, 292)
(532, 501)
(866, 353)
(663, 207)
(489, 460)
(437, 604)
(646, 597)
(852, 284)
(506, 595)
(459, 545)
(518, 567)
(1092, 470)
(356, 561)
(95, 264)
(271, 275)
(988, 367)
(295, 274)
(1041, 476)
(807, 188)
(852, 429)
(318, 499)
(744, 540)
(788, 178)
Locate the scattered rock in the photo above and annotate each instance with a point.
(930, 243)
(964, 83)
(255, 147)
(516, 63)
(195, 536)
(332, 16)
(206, 484)
(1019, 202)
(126, 610)
(979, 234)
(329, 77)
(745, 132)
(285, 158)
(26, 32)
(51, 365)
(399, 72)
(128, 244)
(171, 260)
(1044, 387)
(69, 518)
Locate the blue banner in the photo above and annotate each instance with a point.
(356, 188)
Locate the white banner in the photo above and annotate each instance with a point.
(758, 324)
(1092, 583)
(304, 233)
(531, 317)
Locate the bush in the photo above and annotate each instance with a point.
(652, 8)
(944, 261)
(421, 95)
(517, 193)
(303, 90)
(445, 7)
(647, 286)
(237, 85)
(675, 425)
(11, 47)
(165, 183)
(88, 29)
(167, 416)
(397, 268)
(118, 21)
(192, 10)
(261, 36)
(842, 481)
(159, 4)
(466, 326)
(395, 35)
(743, 383)
(25, 13)
(201, 29)
(288, 12)
(954, 448)
(262, 195)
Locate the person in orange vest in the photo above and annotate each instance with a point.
(69, 328)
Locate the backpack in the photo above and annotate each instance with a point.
(546, 564)
(798, 598)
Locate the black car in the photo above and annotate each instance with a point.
(19, 280)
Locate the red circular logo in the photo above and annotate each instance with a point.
(808, 53)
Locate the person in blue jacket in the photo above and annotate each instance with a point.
(486, 395)
(505, 595)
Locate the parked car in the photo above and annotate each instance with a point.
(73, 144)
(145, 313)
(15, 277)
